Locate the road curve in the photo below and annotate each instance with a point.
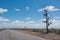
(15, 35)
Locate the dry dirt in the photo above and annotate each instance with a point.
(52, 36)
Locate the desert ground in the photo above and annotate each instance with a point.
(51, 36)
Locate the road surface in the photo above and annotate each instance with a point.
(15, 35)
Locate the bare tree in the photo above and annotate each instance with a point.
(46, 20)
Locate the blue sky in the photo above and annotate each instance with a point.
(27, 11)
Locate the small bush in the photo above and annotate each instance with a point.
(58, 31)
(52, 30)
(34, 30)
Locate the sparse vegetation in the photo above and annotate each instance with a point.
(58, 31)
(35, 30)
(1, 30)
(52, 30)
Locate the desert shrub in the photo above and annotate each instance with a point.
(35, 30)
(43, 30)
(52, 30)
(1, 30)
(58, 31)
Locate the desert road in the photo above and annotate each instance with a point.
(15, 35)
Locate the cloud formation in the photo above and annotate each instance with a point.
(6, 23)
(27, 8)
(16, 9)
(2, 10)
(28, 18)
(3, 19)
(49, 8)
(55, 24)
(56, 17)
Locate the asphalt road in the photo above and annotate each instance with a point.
(15, 35)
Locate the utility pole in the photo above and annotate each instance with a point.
(46, 20)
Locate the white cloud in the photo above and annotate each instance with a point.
(56, 17)
(27, 8)
(28, 18)
(16, 9)
(17, 21)
(3, 19)
(29, 24)
(55, 24)
(3, 10)
(49, 8)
